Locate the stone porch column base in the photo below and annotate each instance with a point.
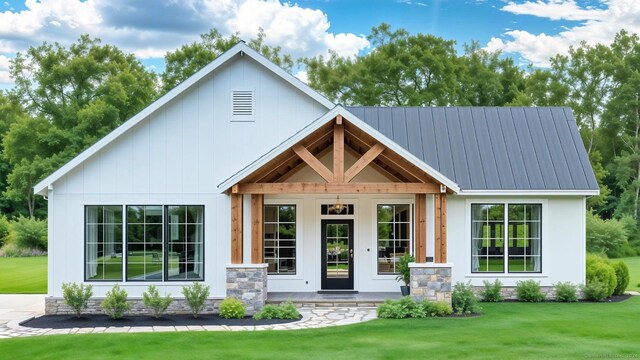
(431, 281)
(248, 282)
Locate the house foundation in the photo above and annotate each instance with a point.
(248, 283)
(431, 281)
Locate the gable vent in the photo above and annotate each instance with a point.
(242, 105)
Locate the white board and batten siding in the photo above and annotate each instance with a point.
(178, 155)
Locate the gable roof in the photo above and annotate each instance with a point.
(240, 49)
(492, 150)
(315, 125)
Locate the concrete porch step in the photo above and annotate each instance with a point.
(314, 299)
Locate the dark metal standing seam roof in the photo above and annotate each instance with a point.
(491, 148)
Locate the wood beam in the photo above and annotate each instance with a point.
(338, 153)
(441, 228)
(376, 167)
(236, 228)
(342, 188)
(362, 163)
(257, 238)
(421, 228)
(314, 163)
(339, 119)
(300, 166)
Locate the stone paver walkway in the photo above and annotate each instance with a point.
(311, 318)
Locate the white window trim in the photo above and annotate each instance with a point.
(374, 231)
(299, 203)
(544, 243)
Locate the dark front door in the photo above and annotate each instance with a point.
(337, 255)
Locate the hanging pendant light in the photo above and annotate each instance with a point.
(338, 206)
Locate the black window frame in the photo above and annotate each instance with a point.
(84, 243)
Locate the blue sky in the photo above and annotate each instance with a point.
(529, 30)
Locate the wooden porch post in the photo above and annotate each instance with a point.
(236, 228)
(441, 228)
(257, 201)
(420, 230)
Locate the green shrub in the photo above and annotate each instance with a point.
(76, 296)
(232, 308)
(622, 277)
(11, 250)
(5, 229)
(605, 236)
(599, 269)
(436, 308)
(595, 291)
(407, 307)
(284, 311)
(196, 296)
(529, 291)
(152, 299)
(464, 300)
(29, 233)
(492, 292)
(566, 292)
(115, 304)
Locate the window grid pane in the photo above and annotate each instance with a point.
(103, 243)
(487, 238)
(279, 249)
(394, 235)
(144, 243)
(524, 238)
(185, 243)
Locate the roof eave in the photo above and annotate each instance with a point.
(537, 192)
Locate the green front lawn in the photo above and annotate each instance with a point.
(505, 331)
(27, 275)
(634, 271)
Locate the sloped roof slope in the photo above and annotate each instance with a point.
(491, 148)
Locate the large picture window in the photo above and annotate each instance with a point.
(185, 242)
(103, 243)
(144, 243)
(280, 239)
(506, 237)
(394, 235)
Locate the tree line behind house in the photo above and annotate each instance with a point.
(65, 98)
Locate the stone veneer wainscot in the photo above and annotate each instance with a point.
(248, 282)
(431, 281)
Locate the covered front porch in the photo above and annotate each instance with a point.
(359, 201)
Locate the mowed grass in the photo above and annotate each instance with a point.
(26, 275)
(505, 331)
(634, 271)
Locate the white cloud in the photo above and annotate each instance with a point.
(4, 71)
(150, 28)
(597, 25)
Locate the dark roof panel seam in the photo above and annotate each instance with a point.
(546, 143)
(446, 127)
(564, 155)
(535, 152)
(482, 165)
(464, 149)
(433, 128)
(493, 152)
(524, 163)
(575, 146)
(507, 150)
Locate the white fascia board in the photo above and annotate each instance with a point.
(241, 47)
(529, 192)
(338, 110)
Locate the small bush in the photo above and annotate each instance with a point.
(407, 307)
(196, 296)
(599, 269)
(436, 308)
(5, 228)
(595, 291)
(529, 291)
(285, 311)
(566, 292)
(115, 304)
(29, 233)
(76, 296)
(464, 300)
(232, 308)
(151, 298)
(605, 236)
(492, 292)
(622, 277)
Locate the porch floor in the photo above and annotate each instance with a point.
(313, 299)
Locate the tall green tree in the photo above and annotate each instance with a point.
(73, 96)
(190, 58)
(403, 69)
(10, 112)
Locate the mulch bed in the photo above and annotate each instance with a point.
(90, 321)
